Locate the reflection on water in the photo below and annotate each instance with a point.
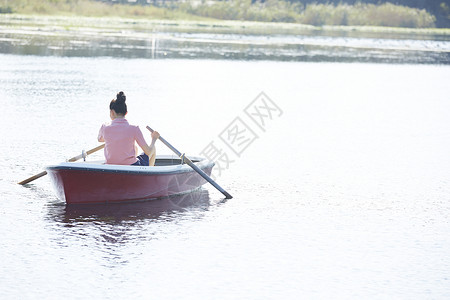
(116, 213)
(313, 46)
(111, 228)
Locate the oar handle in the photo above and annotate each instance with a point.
(75, 158)
(166, 143)
(193, 166)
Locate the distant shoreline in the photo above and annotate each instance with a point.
(56, 24)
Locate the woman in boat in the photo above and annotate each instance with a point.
(120, 137)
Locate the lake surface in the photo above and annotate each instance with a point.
(343, 193)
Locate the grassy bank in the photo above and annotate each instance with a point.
(269, 11)
(315, 14)
(89, 8)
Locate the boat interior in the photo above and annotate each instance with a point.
(164, 161)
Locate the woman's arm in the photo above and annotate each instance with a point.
(150, 149)
(100, 134)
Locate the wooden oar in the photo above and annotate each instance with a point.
(193, 166)
(75, 158)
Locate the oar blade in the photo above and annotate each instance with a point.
(206, 177)
(193, 166)
(33, 178)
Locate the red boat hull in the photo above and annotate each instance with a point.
(85, 185)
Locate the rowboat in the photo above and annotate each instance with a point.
(96, 182)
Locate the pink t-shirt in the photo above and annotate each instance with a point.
(119, 138)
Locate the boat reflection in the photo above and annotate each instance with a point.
(163, 208)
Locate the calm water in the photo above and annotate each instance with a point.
(346, 194)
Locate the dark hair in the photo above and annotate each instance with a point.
(118, 104)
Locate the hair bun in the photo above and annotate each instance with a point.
(121, 97)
